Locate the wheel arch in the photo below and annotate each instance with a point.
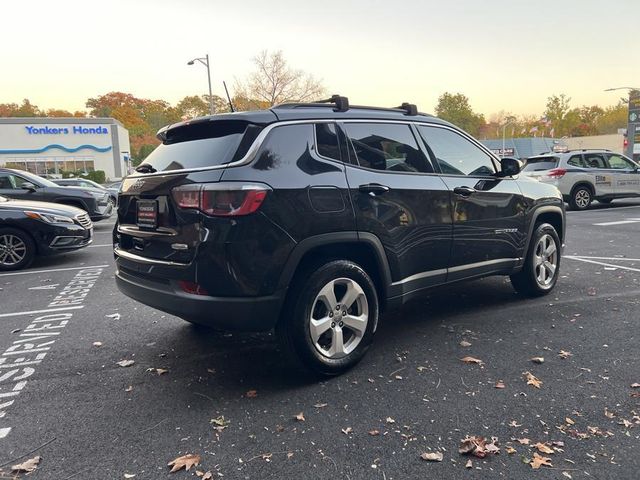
(362, 248)
(13, 226)
(554, 215)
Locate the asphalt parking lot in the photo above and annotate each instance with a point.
(231, 398)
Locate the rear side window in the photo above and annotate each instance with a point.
(455, 154)
(203, 145)
(387, 147)
(541, 163)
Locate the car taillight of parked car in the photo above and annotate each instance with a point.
(556, 173)
(221, 199)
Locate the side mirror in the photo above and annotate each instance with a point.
(510, 166)
(28, 186)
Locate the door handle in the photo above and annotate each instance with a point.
(464, 191)
(373, 189)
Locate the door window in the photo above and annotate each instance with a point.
(576, 161)
(619, 163)
(594, 160)
(9, 181)
(327, 140)
(387, 147)
(455, 154)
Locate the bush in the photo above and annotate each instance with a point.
(97, 176)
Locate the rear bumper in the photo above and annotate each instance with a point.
(253, 314)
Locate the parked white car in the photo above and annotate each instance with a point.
(586, 175)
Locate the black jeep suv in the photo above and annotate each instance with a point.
(314, 218)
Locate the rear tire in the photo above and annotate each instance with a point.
(581, 198)
(330, 317)
(541, 265)
(17, 249)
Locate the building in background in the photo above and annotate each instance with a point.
(51, 146)
(524, 148)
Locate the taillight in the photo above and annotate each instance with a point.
(192, 288)
(556, 173)
(221, 199)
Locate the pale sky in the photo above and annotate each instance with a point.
(503, 54)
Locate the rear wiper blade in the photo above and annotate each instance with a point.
(145, 168)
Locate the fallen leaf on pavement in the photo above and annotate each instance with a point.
(27, 466)
(129, 475)
(320, 405)
(465, 344)
(185, 461)
(608, 413)
(469, 464)
(537, 360)
(569, 421)
(635, 385)
(159, 371)
(126, 363)
(347, 430)
(476, 361)
(513, 423)
(432, 456)
(115, 316)
(289, 455)
(532, 380)
(129, 388)
(564, 354)
(523, 441)
(566, 474)
(479, 446)
(220, 421)
(537, 461)
(499, 384)
(299, 417)
(543, 448)
(97, 344)
(511, 450)
(591, 291)
(390, 420)
(374, 433)
(251, 394)
(211, 370)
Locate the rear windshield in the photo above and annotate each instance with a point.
(202, 145)
(541, 163)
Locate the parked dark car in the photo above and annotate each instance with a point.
(29, 228)
(314, 218)
(27, 186)
(86, 183)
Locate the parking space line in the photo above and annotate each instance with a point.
(52, 270)
(580, 259)
(48, 310)
(619, 222)
(101, 245)
(613, 209)
(608, 258)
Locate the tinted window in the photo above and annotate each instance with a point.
(8, 181)
(455, 154)
(388, 147)
(594, 160)
(576, 161)
(327, 140)
(540, 163)
(618, 162)
(202, 145)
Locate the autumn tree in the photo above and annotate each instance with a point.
(274, 82)
(455, 108)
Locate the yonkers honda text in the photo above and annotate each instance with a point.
(312, 219)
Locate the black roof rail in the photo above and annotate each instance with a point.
(341, 103)
(410, 108)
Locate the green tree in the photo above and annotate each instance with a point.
(612, 119)
(455, 108)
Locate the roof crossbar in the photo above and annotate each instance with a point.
(410, 108)
(341, 103)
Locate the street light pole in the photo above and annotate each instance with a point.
(633, 122)
(509, 121)
(205, 61)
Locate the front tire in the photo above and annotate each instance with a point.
(542, 264)
(581, 198)
(17, 249)
(330, 318)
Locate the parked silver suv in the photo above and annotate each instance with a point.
(586, 175)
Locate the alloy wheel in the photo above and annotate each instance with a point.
(583, 198)
(339, 318)
(546, 260)
(12, 250)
